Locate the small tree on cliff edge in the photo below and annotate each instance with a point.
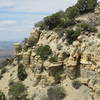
(86, 5)
(44, 52)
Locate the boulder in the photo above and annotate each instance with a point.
(84, 81)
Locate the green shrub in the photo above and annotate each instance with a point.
(51, 21)
(72, 35)
(22, 75)
(76, 84)
(53, 58)
(87, 27)
(86, 5)
(59, 31)
(57, 78)
(98, 35)
(44, 51)
(40, 24)
(56, 20)
(17, 91)
(29, 42)
(2, 96)
(65, 19)
(56, 93)
(66, 22)
(72, 12)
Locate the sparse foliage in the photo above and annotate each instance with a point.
(53, 58)
(87, 27)
(22, 75)
(44, 51)
(56, 93)
(72, 35)
(31, 41)
(86, 5)
(72, 12)
(76, 84)
(56, 20)
(17, 91)
(98, 35)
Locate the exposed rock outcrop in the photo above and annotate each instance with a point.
(52, 78)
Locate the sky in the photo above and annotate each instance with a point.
(17, 17)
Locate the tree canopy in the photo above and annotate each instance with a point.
(86, 5)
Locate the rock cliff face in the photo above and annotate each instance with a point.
(73, 73)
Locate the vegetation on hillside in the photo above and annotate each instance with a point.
(72, 12)
(87, 27)
(61, 20)
(85, 6)
(72, 35)
(98, 35)
(44, 51)
(65, 18)
(56, 92)
(76, 84)
(17, 91)
(22, 75)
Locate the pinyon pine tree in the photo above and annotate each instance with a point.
(86, 5)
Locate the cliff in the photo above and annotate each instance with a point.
(54, 69)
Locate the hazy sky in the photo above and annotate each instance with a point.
(17, 17)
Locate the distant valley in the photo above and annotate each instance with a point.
(6, 50)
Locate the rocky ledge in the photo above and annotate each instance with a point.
(53, 69)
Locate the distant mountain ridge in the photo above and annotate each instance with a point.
(6, 50)
(6, 44)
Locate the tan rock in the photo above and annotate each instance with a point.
(84, 60)
(84, 81)
(93, 68)
(26, 58)
(71, 62)
(96, 87)
(36, 33)
(76, 43)
(18, 47)
(98, 71)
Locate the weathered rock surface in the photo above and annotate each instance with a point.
(54, 80)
